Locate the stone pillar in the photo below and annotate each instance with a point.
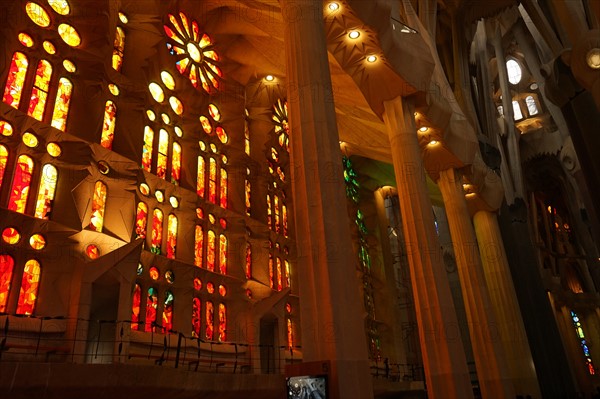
(504, 302)
(330, 307)
(443, 354)
(487, 351)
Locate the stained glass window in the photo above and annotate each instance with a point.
(6, 128)
(167, 316)
(135, 307)
(69, 35)
(3, 160)
(25, 39)
(532, 108)
(118, 48)
(46, 192)
(141, 220)
(98, 205)
(108, 125)
(279, 275)
(7, 264)
(200, 177)
(517, 111)
(271, 272)
(288, 282)
(39, 94)
(11, 236)
(196, 318)
(61, 105)
(284, 219)
(151, 306)
(157, 226)
(583, 342)
(223, 189)
(147, 149)
(20, 187)
(222, 322)
(514, 71)
(210, 317)
(198, 243)
(247, 196)
(210, 251)
(269, 212)
(248, 260)
(282, 128)
(37, 14)
(29, 288)
(276, 209)
(171, 236)
(246, 135)
(223, 254)
(176, 163)
(163, 148)
(15, 80)
(60, 6)
(290, 334)
(212, 181)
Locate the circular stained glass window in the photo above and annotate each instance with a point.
(69, 66)
(37, 14)
(154, 273)
(197, 284)
(60, 6)
(25, 39)
(144, 189)
(6, 128)
(30, 140)
(37, 242)
(92, 251)
(69, 35)
(11, 236)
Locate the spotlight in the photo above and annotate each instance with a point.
(372, 58)
(269, 78)
(433, 142)
(354, 34)
(423, 129)
(333, 6)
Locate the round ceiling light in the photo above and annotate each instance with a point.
(372, 58)
(354, 34)
(593, 58)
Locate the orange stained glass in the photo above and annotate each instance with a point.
(197, 284)
(20, 187)
(69, 35)
(29, 288)
(151, 307)
(6, 128)
(248, 260)
(157, 92)
(198, 243)
(210, 251)
(154, 273)
(157, 226)
(271, 272)
(196, 318)
(135, 307)
(45, 198)
(171, 236)
(69, 66)
(11, 236)
(37, 14)
(60, 6)
(222, 322)
(92, 251)
(61, 105)
(118, 48)
(167, 316)
(49, 47)
(276, 209)
(141, 220)
(223, 189)
(246, 135)
(25, 39)
(210, 288)
(108, 125)
(223, 254)
(279, 275)
(147, 148)
(176, 105)
(212, 181)
(15, 80)
(284, 219)
(7, 264)
(98, 204)
(209, 320)
(39, 93)
(222, 290)
(288, 282)
(163, 148)
(206, 125)
(290, 334)
(269, 212)
(37, 242)
(200, 177)
(247, 196)
(3, 160)
(214, 112)
(176, 163)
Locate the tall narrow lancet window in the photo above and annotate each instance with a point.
(200, 177)
(19, 191)
(151, 309)
(198, 243)
(118, 48)
(222, 322)
(157, 226)
(45, 197)
(210, 318)
(108, 124)
(141, 220)
(279, 274)
(269, 212)
(3, 160)
(15, 80)
(532, 108)
(147, 148)
(517, 111)
(196, 318)
(171, 236)
(39, 94)
(61, 104)
(135, 307)
(248, 193)
(176, 164)
(7, 264)
(210, 251)
(167, 316)
(212, 181)
(284, 219)
(276, 212)
(246, 134)
(288, 282)
(29, 288)
(223, 254)
(290, 334)
(248, 260)
(583, 342)
(98, 205)
(271, 272)
(163, 149)
(223, 189)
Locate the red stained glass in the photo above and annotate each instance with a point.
(210, 251)
(163, 148)
(20, 188)
(108, 126)
(118, 48)
(248, 260)
(11, 236)
(222, 135)
(29, 288)
(198, 243)
(135, 307)
(154, 273)
(197, 284)
(276, 209)
(222, 290)
(6, 128)
(247, 196)
(222, 323)
(284, 218)
(288, 282)
(45, 198)
(290, 334)
(206, 126)
(151, 306)
(92, 251)
(210, 288)
(279, 275)
(200, 177)
(39, 93)
(269, 212)
(61, 105)
(6, 270)
(212, 181)
(223, 254)
(209, 320)
(157, 226)
(223, 187)
(98, 204)
(147, 149)
(271, 272)
(167, 316)
(3, 160)
(176, 164)
(171, 236)
(196, 318)
(15, 80)
(141, 220)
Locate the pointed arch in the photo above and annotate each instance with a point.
(61, 104)
(19, 191)
(46, 191)
(39, 93)
(29, 288)
(15, 80)
(172, 224)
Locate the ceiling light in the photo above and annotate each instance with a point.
(269, 78)
(372, 58)
(354, 34)
(433, 142)
(593, 58)
(333, 6)
(423, 129)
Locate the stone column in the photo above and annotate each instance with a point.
(330, 307)
(504, 302)
(443, 354)
(487, 351)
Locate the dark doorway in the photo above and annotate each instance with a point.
(103, 317)
(268, 343)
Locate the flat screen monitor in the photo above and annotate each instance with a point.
(307, 387)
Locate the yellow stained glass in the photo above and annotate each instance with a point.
(11, 236)
(60, 6)
(206, 126)
(69, 66)
(157, 92)
(25, 39)
(144, 189)
(46, 191)
(118, 49)
(212, 181)
(178, 131)
(147, 148)
(20, 187)
(200, 177)
(287, 274)
(214, 112)
(37, 14)
(108, 126)
(98, 205)
(198, 243)
(168, 80)
(61, 105)
(114, 89)
(53, 149)
(223, 189)
(176, 163)
(151, 115)
(165, 118)
(15, 80)
(174, 202)
(49, 47)
(29, 288)
(176, 105)
(163, 148)
(39, 93)
(37, 242)
(3, 159)
(171, 236)
(223, 254)
(69, 35)
(123, 18)
(30, 140)
(160, 197)
(6, 128)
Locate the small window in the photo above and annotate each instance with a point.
(532, 108)
(518, 115)
(514, 71)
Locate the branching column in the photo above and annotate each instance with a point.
(487, 350)
(331, 309)
(443, 354)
